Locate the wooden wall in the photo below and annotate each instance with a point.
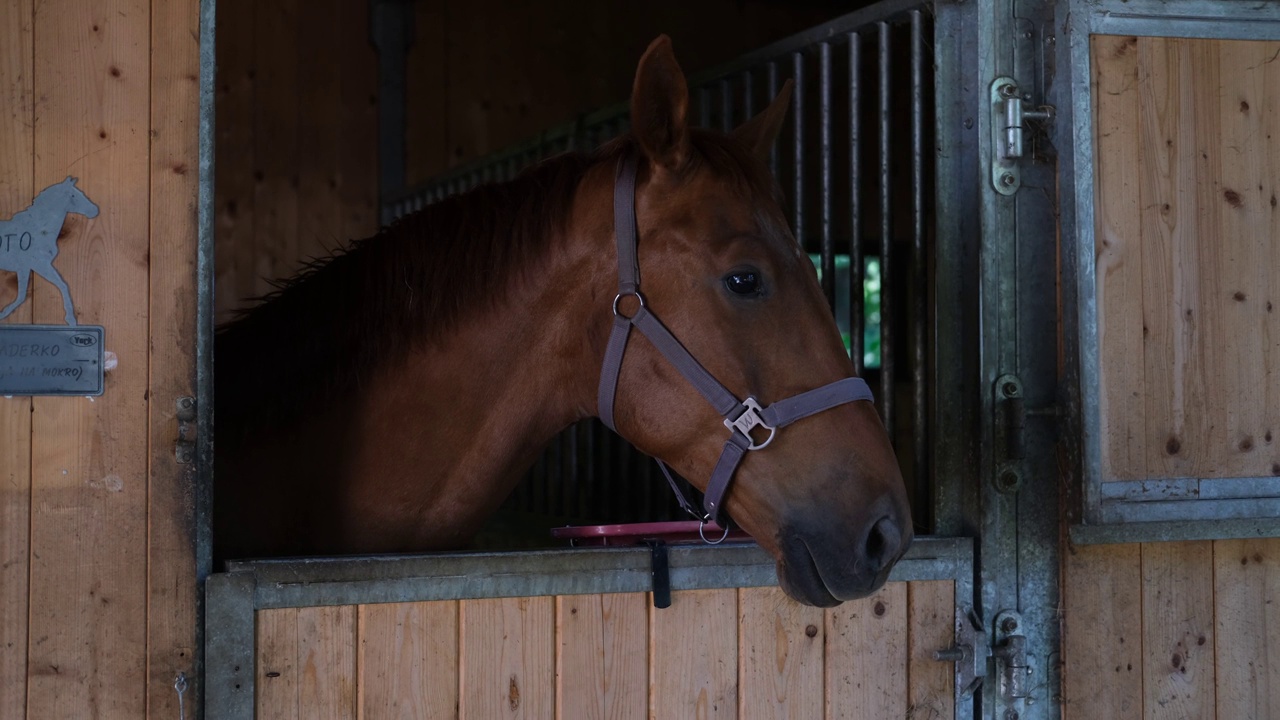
(97, 571)
(1188, 171)
(749, 653)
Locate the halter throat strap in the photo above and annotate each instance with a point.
(741, 417)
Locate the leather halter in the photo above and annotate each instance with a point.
(740, 416)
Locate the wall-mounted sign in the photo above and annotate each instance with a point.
(46, 359)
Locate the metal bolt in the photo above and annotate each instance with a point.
(1008, 90)
(1011, 714)
(1008, 481)
(185, 403)
(1008, 180)
(1008, 625)
(1010, 389)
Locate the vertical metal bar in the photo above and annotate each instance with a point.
(797, 209)
(773, 93)
(824, 108)
(919, 283)
(391, 30)
(887, 344)
(857, 288)
(748, 96)
(726, 106)
(230, 654)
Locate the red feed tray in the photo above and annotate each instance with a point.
(682, 531)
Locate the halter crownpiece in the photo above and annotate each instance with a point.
(740, 416)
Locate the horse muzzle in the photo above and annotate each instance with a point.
(823, 567)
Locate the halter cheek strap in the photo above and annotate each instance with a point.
(740, 416)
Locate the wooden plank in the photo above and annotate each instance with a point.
(327, 662)
(89, 459)
(320, 34)
(1177, 630)
(1270, 112)
(1102, 632)
(426, 139)
(508, 658)
(782, 656)
(234, 157)
(1119, 250)
(409, 661)
(866, 658)
(693, 656)
(275, 141)
(1246, 629)
(931, 626)
(17, 188)
(358, 112)
(601, 669)
(171, 565)
(278, 673)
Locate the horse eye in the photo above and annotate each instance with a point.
(743, 283)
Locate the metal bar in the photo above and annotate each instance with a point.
(797, 200)
(1161, 510)
(726, 106)
(229, 649)
(391, 26)
(824, 109)
(857, 265)
(919, 285)
(772, 78)
(748, 95)
(1175, 530)
(887, 340)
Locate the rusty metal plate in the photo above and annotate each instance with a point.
(51, 359)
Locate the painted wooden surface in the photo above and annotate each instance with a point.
(1188, 153)
(97, 587)
(747, 653)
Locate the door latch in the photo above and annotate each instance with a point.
(969, 653)
(1009, 115)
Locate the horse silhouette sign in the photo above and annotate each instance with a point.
(46, 359)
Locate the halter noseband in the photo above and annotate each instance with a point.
(740, 417)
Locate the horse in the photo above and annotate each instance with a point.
(29, 240)
(388, 397)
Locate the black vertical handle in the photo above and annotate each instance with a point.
(661, 573)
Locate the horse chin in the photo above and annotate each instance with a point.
(803, 580)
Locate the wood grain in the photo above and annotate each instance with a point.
(171, 564)
(866, 656)
(930, 626)
(89, 458)
(1177, 630)
(358, 112)
(235, 265)
(278, 674)
(409, 661)
(320, 34)
(1246, 628)
(693, 656)
(508, 658)
(327, 663)
(782, 659)
(602, 669)
(1102, 632)
(17, 188)
(275, 141)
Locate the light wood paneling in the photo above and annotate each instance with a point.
(508, 658)
(866, 671)
(1247, 628)
(782, 656)
(1189, 250)
(175, 117)
(327, 663)
(931, 627)
(88, 595)
(1177, 630)
(409, 661)
(1102, 632)
(601, 664)
(693, 656)
(278, 674)
(17, 188)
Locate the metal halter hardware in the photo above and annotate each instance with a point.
(740, 416)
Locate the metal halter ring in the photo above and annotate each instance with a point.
(618, 298)
(703, 524)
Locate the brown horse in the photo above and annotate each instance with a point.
(391, 396)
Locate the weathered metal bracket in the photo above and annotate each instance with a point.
(184, 448)
(1011, 422)
(1012, 665)
(1008, 123)
(970, 654)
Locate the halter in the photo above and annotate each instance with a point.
(740, 416)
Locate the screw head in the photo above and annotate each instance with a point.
(1008, 180)
(1008, 90)
(1008, 625)
(1008, 481)
(1010, 389)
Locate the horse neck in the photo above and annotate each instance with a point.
(45, 202)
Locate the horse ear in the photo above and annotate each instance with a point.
(659, 106)
(761, 132)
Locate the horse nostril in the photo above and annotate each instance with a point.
(883, 542)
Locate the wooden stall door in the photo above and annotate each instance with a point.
(97, 562)
(1187, 146)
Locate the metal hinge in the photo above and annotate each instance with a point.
(1012, 666)
(184, 448)
(1009, 114)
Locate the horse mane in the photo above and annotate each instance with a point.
(325, 330)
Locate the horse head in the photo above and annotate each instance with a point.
(77, 201)
(722, 270)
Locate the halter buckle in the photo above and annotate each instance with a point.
(749, 420)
